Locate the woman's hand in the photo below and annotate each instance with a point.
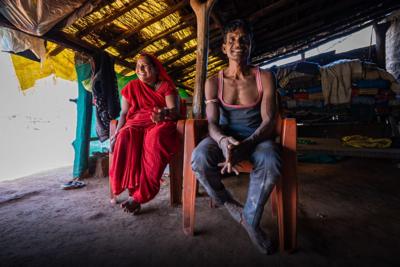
(159, 114)
(112, 142)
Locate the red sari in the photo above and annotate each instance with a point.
(142, 148)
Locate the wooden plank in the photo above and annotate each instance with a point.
(131, 32)
(335, 147)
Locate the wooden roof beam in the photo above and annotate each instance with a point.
(158, 37)
(85, 9)
(179, 70)
(109, 19)
(176, 44)
(178, 56)
(145, 24)
(307, 22)
(56, 51)
(268, 10)
(315, 39)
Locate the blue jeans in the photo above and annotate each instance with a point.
(266, 170)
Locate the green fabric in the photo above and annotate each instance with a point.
(182, 93)
(123, 80)
(83, 122)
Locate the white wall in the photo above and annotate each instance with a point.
(36, 128)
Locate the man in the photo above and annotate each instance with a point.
(241, 111)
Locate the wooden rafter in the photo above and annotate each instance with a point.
(278, 17)
(331, 31)
(178, 56)
(88, 7)
(179, 70)
(176, 44)
(270, 9)
(158, 37)
(307, 21)
(105, 20)
(292, 34)
(56, 51)
(131, 32)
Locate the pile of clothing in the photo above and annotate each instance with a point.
(306, 85)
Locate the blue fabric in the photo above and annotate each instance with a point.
(315, 89)
(380, 84)
(266, 170)
(240, 122)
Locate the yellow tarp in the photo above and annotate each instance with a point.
(28, 71)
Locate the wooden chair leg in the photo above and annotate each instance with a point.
(189, 201)
(175, 183)
(189, 181)
(176, 168)
(286, 190)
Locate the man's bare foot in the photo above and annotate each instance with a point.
(131, 206)
(257, 236)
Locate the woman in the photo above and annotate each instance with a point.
(145, 137)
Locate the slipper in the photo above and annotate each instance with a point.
(73, 185)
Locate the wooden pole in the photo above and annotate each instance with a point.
(380, 34)
(202, 9)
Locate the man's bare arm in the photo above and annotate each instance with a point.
(212, 110)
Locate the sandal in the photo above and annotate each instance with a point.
(73, 185)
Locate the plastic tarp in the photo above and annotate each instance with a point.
(84, 121)
(15, 41)
(28, 71)
(392, 48)
(37, 16)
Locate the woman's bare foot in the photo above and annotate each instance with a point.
(131, 206)
(113, 201)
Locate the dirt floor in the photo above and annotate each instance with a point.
(349, 215)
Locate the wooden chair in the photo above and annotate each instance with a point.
(175, 166)
(284, 197)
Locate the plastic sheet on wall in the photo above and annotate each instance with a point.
(37, 16)
(392, 48)
(28, 71)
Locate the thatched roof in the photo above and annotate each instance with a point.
(167, 28)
